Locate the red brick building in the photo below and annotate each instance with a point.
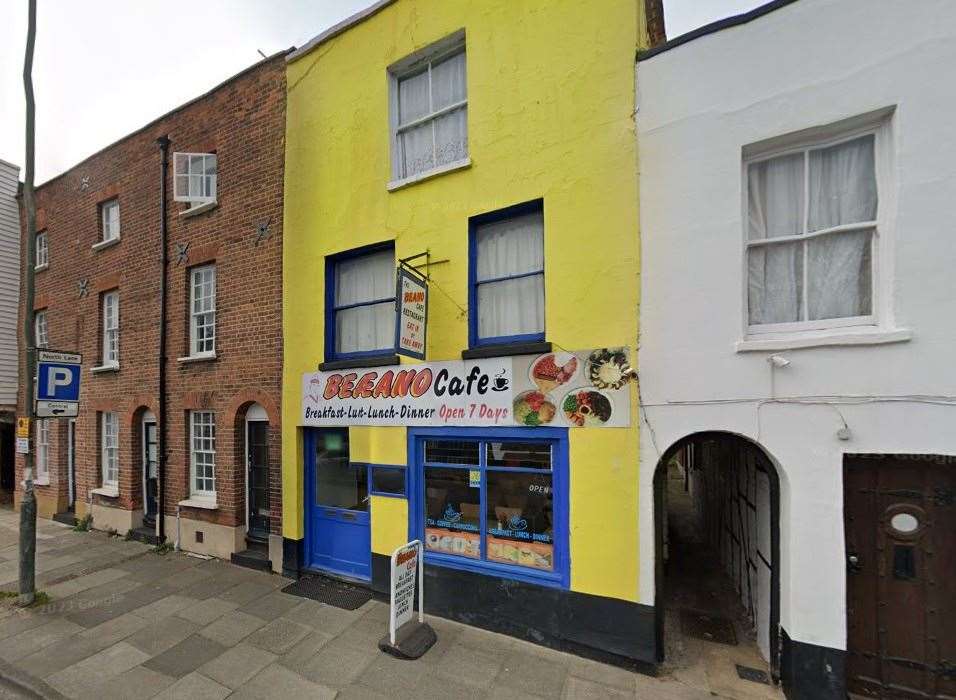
(99, 292)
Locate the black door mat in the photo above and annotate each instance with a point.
(701, 625)
(753, 674)
(326, 590)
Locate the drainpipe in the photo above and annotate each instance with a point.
(163, 142)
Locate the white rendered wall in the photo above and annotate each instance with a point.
(805, 65)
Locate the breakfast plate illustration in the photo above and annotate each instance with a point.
(533, 408)
(587, 406)
(552, 370)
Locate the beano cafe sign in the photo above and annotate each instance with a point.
(588, 388)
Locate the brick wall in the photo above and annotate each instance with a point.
(243, 122)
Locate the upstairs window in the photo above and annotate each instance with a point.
(39, 329)
(362, 290)
(507, 276)
(811, 232)
(111, 329)
(194, 179)
(110, 220)
(43, 252)
(430, 110)
(202, 311)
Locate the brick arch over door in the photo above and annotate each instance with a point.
(132, 427)
(246, 398)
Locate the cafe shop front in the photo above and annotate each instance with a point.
(518, 475)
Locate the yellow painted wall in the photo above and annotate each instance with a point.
(389, 517)
(550, 115)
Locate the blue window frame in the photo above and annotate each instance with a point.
(387, 480)
(492, 501)
(360, 302)
(506, 275)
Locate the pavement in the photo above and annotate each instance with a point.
(125, 622)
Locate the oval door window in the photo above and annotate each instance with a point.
(904, 523)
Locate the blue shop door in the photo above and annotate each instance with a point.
(338, 536)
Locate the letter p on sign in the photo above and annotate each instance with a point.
(57, 377)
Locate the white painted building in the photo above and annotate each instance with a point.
(9, 281)
(797, 185)
(9, 328)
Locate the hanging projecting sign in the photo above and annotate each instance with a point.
(590, 388)
(58, 384)
(412, 308)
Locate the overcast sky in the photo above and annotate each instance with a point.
(106, 67)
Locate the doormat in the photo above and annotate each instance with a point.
(701, 625)
(753, 674)
(331, 592)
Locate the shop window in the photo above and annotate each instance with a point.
(361, 294)
(387, 481)
(506, 296)
(497, 506)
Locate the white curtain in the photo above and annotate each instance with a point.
(506, 248)
(775, 201)
(839, 265)
(365, 279)
(444, 139)
(842, 190)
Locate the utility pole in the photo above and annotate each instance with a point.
(28, 504)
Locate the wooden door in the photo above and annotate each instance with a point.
(900, 517)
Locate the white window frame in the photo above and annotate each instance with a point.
(42, 251)
(406, 68)
(111, 334)
(197, 447)
(109, 449)
(41, 336)
(193, 167)
(43, 451)
(108, 234)
(877, 124)
(195, 317)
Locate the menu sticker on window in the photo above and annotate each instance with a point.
(474, 478)
(412, 309)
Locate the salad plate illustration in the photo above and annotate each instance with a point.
(533, 408)
(585, 406)
(608, 368)
(552, 370)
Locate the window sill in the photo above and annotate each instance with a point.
(526, 575)
(106, 244)
(41, 268)
(505, 349)
(102, 369)
(828, 338)
(199, 502)
(45, 481)
(358, 362)
(189, 359)
(108, 491)
(201, 209)
(429, 174)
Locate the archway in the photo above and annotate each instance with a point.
(717, 573)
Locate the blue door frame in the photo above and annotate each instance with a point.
(337, 540)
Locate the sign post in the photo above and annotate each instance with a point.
(58, 384)
(407, 639)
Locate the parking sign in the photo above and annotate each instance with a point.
(58, 384)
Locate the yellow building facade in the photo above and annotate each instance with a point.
(420, 128)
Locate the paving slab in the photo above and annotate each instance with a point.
(134, 684)
(36, 638)
(472, 666)
(194, 686)
(338, 665)
(186, 656)
(305, 650)
(532, 674)
(115, 630)
(232, 628)
(246, 592)
(77, 680)
(164, 607)
(279, 636)
(320, 616)
(58, 656)
(207, 611)
(276, 681)
(272, 605)
(154, 638)
(237, 665)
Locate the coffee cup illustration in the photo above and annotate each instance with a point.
(501, 382)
